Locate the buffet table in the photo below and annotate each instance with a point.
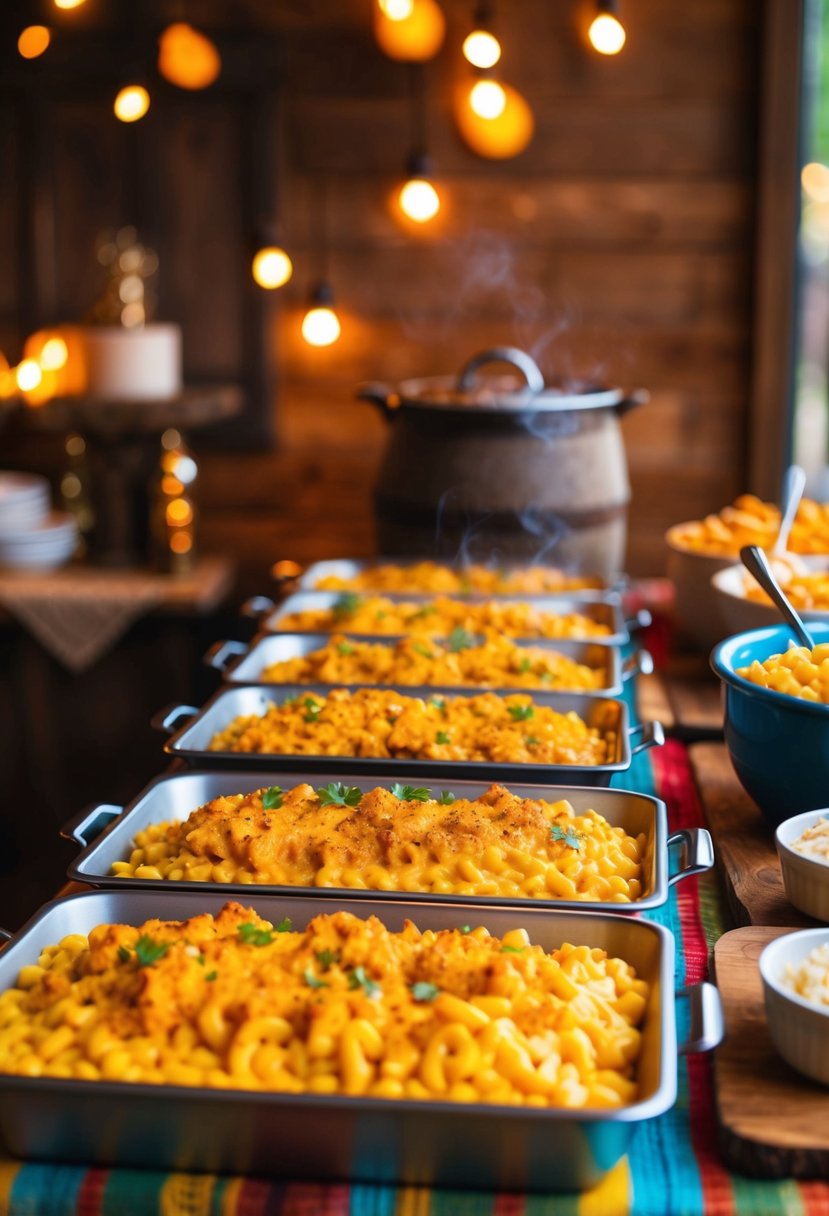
(675, 1164)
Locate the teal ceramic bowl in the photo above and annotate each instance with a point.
(779, 745)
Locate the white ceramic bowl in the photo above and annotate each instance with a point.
(738, 613)
(799, 1029)
(697, 607)
(805, 879)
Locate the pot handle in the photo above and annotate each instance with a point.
(220, 654)
(652, 735)
(504, 354)
(381, 395)
(696, 852)
(89, 824)
(168, 718)
(707, 1021)
(639, 396)
(640, 663)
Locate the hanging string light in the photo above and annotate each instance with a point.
(271, 265)
(131, 103)
(418, 198)
(33, 41)
(65, 4)
(321, 325)
(187, 57)
(481, 48)
(410, 30)
(607, 34)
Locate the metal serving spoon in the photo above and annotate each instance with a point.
(756, 562)
(794, 483)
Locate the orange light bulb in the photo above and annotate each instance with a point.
(131, 103)
(188, 58)
(271, 267)
(607, 34)
(412, 38)
(33, 41)
(481, 49)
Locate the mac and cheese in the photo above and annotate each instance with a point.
(440, 579)
(750, 521)
(799, 672)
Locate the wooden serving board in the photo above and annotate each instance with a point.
(773, 1123)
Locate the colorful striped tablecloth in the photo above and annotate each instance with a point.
(672, 1169)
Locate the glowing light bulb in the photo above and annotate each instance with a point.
(481, 49)
(321, 327)
(188, 58)
(419, 200)
(132, 103)
(488, 99)
(607, 34)
(69, 3)
(396, 10)
(54, 355)
(271, 267)
(33, 41)
(28, 375)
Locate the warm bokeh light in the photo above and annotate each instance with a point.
(181, 542)
(54, 355)
(132, 103)
(188, 58)
(396, 10)
(8, 380)
(28, 375)
(179, 512)
(321, 326)
(488, 99)
(481, 49)
(33, 41)
(413, 38)
(272, 267)
(68, 3)
(286, 569)
(419, 200)
(607, 34)
(814, 179)
(504, 135)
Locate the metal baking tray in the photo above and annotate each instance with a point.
(337, 1137)
(603, 607)
(106, 832)
(191, 741)
(349, 567)
(242, 663)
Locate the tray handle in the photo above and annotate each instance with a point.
(707, 1022)
(640, 663)
(87, 826)
(641, 619)
(653, 735)
(697, 852)
(220, 654)
(256, 606)
(168, 718)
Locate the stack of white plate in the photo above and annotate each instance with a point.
(31, 536)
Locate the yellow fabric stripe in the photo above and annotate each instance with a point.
(412, 1201)
(612, 1196)
(8, 1172)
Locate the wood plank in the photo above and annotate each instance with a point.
(743, 843)
(771, 1121)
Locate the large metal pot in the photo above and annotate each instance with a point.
(490, 468)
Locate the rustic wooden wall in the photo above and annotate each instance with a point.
(619, 244)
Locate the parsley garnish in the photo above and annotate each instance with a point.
(424, 991)
(326, 957)
(338, 794)
(272, 798)
(312, 981)
(459, 639)
(312, 709)
(411, 793)
(442, 737)
(466, 928)
(255, 935)
(426, 610)
(201, 960)
(524, 665)
(285, 925)
(570, 837)
(359, 979)
(446, 798)
(149, 952)
(123, 954)
(439, 703)
(420, 649)
(545, 677)
(512, 949)
(531, 741)
(346, 604)
(211, 977)
(345, 648)
(521, 713)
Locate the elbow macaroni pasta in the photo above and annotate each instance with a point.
(344, 1007)
(444, 580)
(496, 845)
(799, 672)
(750, 521)
(379, 722)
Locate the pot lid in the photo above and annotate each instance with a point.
(518, 393)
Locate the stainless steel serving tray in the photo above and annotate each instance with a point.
(337, 1137)
(106, 833)
(191, 741)
(603, 607)
(349, 567)
(240, 663)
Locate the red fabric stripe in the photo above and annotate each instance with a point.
(255, 1199)
(90, 1198)
(509, 1205)
(675, 783)
(307, 1199)
(815, 1197)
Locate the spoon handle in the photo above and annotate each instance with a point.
(756, 562)
(794, 483)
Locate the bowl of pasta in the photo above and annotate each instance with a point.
(803, 848)
(776, 717)
(795, 974)
(743, 605)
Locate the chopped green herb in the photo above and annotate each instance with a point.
(201, 960)
(411, 793)
(424, 991)
(425, 610)
(466, 928)
(524, 665)
(381, 615)
(459, 639)
(346, 604)
(285, 925)
(255, 935)
(149, 952)
(272, 798)
(359, 979)
(545, 677)
(439, 703)
(345, 648)
(512, 949)
(211, 976)
(570, 836)
(326, 957)
(312, 709)
(531, 740)
(420, 649)
(123, 954)
(442, 737)
(521, 713)
(338, 794)
(446, 798)
(312, 981)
